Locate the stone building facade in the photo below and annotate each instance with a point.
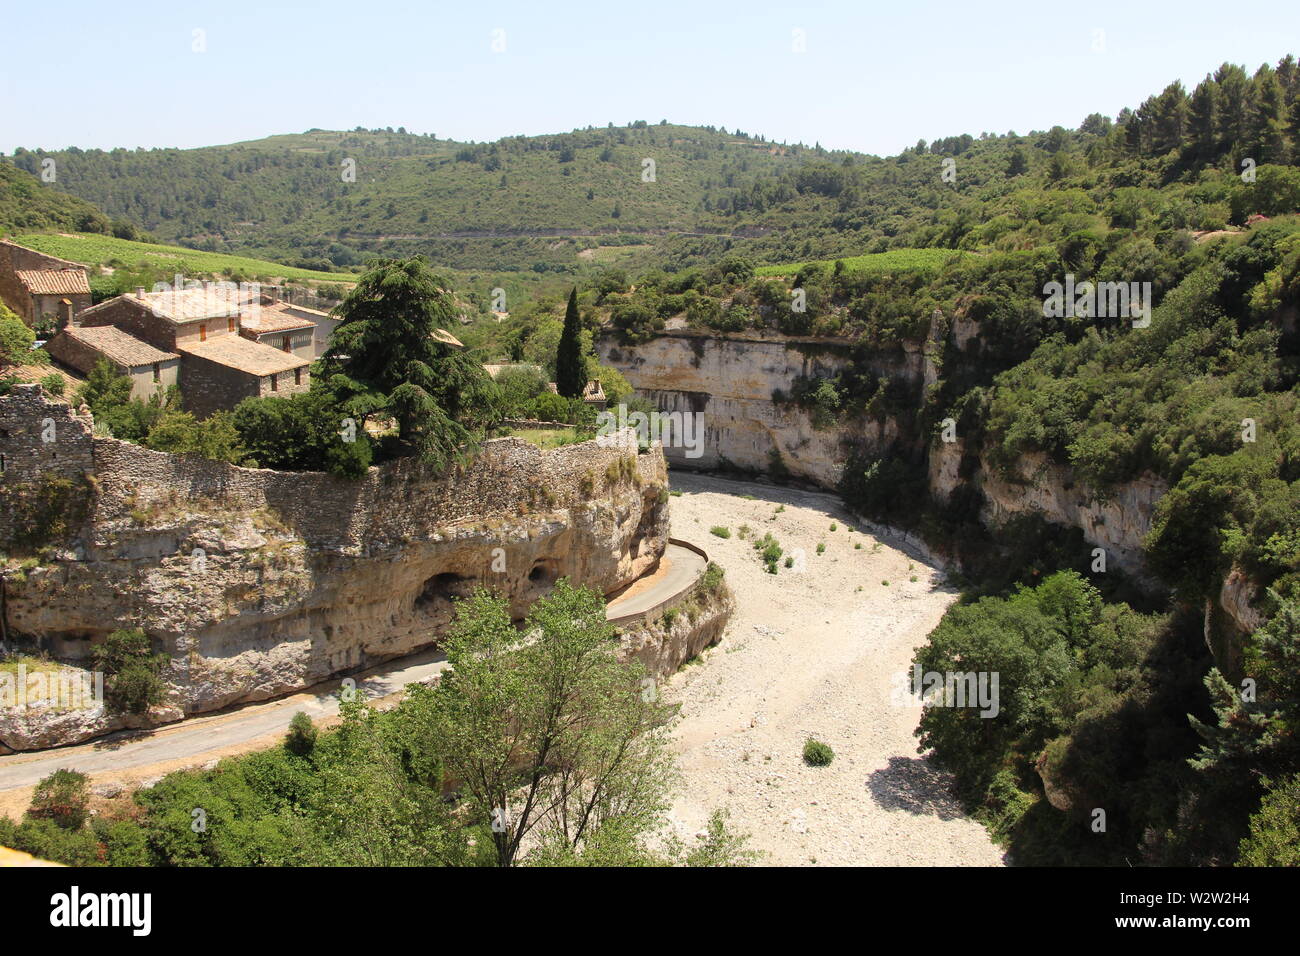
(43, 290)
(150, 369)
(222, 338)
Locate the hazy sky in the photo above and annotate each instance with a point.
(873, 76)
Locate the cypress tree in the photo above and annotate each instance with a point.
(570, 370)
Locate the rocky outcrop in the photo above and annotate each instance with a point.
(1118, 522)
(674, 636)
(256, 583)
(730, 381)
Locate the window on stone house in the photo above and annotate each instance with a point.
(297, 376)
(230, 324)
(284, 343)
(157, 372)
(203, 333)
(275, 383)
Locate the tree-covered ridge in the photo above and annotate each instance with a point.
(26, 204)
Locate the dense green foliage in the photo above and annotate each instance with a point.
(1092, 697)
(132, 671)
(384, 359)
(26, 204)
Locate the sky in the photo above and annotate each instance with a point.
(869, 75)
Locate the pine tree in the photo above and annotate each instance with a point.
(383, 358)
(1203, 114)
(570, 369)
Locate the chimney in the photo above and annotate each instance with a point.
(139, 290)
(65, 313)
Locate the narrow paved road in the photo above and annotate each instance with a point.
(196, 737)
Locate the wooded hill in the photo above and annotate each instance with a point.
(534, 204)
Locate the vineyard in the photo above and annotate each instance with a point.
(97, 250)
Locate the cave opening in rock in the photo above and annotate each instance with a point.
(443, 588)
(543, 573)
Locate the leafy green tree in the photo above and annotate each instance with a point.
(302, 735)
(310, 432)
(132, 671)
(1274, 838)
(214, 437)
(16, 339)
(384, 357)
(570, 369)
(548, 734)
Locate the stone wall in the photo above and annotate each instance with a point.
(133, 317)
(40, 437)
(212, 387)
(256, 582)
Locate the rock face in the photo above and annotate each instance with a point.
(256, 583)
(730, 383)
(1118, 523)
(666, 642)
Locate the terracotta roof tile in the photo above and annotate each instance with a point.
(114, 344)
(278, 317)
(54, 281)
(237, 352)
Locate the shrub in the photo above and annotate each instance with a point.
(16, 339)
(53, 384)
(131, 670)
(301, 738)
(719, 531)
(817, 754)
(63, 797)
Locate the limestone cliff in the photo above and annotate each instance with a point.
(256, 582)
(730, 382)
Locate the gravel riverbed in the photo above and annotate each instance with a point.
(816, 650)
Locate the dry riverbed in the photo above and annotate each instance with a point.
(814, 650)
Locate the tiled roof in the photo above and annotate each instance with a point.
(54, 281)
(186, 305)
(237, 352)
(593, 392)
(114, 344)
(278, 317)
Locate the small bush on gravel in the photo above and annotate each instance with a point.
(720, 531)
(817, 754)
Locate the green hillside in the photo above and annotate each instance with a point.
(27, 203)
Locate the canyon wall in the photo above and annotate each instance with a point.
(255, 583)
(730, 381)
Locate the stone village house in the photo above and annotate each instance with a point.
(43, 290)
(214, 342)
